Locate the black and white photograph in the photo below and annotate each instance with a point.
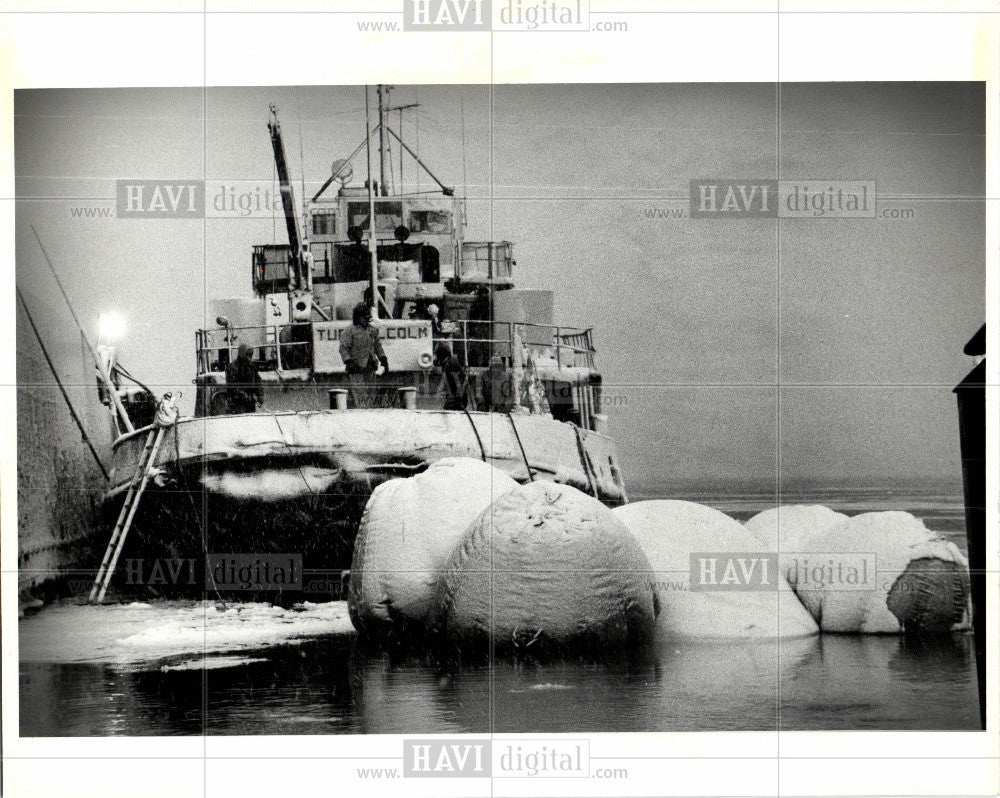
(499, 419)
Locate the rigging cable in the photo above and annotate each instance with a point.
(517, 437)
(62, 289)
(125, 373)
(288, 449)
(62, 389)
(479, 440)
(199, 516)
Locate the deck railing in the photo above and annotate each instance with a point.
(215, 347)
(474, 342)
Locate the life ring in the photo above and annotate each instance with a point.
(426, 360)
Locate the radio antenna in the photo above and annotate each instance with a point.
(372, 246)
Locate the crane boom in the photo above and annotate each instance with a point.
(296, 277)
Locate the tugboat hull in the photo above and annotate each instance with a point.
(297, 483)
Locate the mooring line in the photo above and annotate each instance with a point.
(479, 440)
(517, 437)
(200, 519)
(62, 389)
(289, 450)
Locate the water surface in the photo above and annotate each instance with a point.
(165, 668)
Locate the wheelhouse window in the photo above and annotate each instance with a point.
(324, 223)
(322, 252)
(429, 221)
(270, 267)
(388, 215)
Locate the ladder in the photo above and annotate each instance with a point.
(137, 486)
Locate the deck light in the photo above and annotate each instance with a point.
(111, 326)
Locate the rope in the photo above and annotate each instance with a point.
(62, 389)
(517, 437)
(62, 290)
(289, 450)
(202, 526)
(125, 373)
(591, 477)
(479, 440)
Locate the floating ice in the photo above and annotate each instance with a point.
(134, 633)
(546, 564)
(211, 663)
(409, 530)
(670, 532)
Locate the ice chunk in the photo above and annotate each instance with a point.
(546, 566)
(409, 530)
(211, 663)
(136, 633)
(670, 532)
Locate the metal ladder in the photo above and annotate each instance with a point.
(136, 487)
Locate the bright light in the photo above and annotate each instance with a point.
(111, 326)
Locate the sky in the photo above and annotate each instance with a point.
(734, 352)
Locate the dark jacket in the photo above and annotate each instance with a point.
(243, 378)
(360, 348)
(456, 383)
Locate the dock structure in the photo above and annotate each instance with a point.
(971, 397)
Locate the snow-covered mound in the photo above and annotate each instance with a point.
(784, 530)
(883, 572)
(787, 526)
(678, 536)
(547, 566)
(409, 530)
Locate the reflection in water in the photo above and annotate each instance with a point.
(330, 685)
(882, 682)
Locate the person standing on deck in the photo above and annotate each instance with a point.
(454, 377)
(243, 382)
(361, 350)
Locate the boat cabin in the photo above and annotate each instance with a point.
(456, 332)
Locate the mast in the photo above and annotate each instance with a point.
(400, 108)
(383, 151)
(372, 243)
(287, 202)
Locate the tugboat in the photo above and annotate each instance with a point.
(475, 368)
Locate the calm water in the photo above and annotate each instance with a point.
(325, 684)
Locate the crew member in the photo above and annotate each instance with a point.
(354, 262)
(243, 382)
(454, 377)
(361, 350)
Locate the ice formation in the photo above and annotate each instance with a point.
(883, 572)
(676, 536)
(546, 566)
(783, 530)
(409, 530)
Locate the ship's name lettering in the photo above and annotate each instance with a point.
(385, 333)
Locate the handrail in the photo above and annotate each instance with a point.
(524, 455)
(570, 346)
